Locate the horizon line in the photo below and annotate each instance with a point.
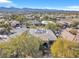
(63, 9)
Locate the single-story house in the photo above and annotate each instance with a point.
(64, 24)
(45, 35)
(66, 34)
(34, 22)
(15, 24)
(46, 22)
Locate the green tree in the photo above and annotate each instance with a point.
(5, 25)
(20, 18)
(52, 26)
(46, 18)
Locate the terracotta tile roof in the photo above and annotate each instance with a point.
(67, 35)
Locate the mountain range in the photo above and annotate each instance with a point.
(13, 9)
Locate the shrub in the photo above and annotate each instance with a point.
(52, 27)
(65, 49)
(21, 46)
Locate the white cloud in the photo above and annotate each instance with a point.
(72, 8)
(5, 1)
(69, 8)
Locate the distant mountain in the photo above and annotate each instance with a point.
(13, 9)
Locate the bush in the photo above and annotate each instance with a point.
(5, 25)
(52, 27)
(21, 46)
(65, 49)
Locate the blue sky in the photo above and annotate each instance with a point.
(43, 4)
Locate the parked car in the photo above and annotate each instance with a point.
(3, 36)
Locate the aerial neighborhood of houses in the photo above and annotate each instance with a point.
(39, 26)
(48, 27)
(17, 28)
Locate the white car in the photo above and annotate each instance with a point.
(3, 36)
